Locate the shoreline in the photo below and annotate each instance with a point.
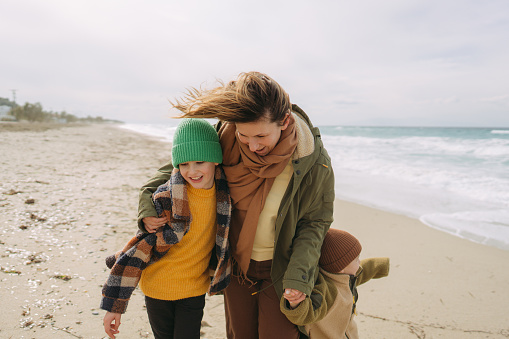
(461, 215)
(84, 182)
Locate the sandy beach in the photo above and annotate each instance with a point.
(68, 198)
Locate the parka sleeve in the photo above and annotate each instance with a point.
(373, 268)
(311, 228)
(146, 206)
(315, 307)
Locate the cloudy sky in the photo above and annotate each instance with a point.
(391, 62)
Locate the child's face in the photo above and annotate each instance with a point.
(352, 267)
(199, 174)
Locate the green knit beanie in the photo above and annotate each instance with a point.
(195, 140)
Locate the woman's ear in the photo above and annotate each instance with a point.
(286, 122)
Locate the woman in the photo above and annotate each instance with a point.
(282, 188)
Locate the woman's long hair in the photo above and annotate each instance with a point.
(251, 97)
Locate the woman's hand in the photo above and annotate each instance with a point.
(294, 297)
(153, 223)
(111, 324)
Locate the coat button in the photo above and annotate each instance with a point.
(304, 277)
(298, 172)
(296, 161)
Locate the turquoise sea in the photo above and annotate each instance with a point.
(452, 179)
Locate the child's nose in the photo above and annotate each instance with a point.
(192, 169)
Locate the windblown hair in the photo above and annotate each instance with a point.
(251, 97)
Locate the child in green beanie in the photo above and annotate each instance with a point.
(329, 311)
(187, 237)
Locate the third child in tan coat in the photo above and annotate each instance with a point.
(329, 311)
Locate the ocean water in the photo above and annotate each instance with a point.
(452, 179)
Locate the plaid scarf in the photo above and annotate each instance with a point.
(171, 201)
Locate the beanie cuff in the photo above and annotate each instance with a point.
(209, 151)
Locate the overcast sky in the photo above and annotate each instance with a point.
(391, 62)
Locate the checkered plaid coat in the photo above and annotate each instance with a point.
(171, 201)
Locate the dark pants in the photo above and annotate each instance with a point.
(175, 319)
(256, 316)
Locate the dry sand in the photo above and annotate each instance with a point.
(68, 198)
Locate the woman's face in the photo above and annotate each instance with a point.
(261, 136)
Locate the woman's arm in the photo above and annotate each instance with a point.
(146, 206)
(313, 224)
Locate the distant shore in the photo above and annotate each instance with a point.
(68, 198)
(11, 126)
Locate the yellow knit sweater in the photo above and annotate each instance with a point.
(183, 271)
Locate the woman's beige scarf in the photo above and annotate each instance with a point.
(250, 178)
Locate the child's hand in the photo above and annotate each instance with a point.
(294, 297)
(111, 324)
(153, 223)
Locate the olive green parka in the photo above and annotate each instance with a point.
(304, 216)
